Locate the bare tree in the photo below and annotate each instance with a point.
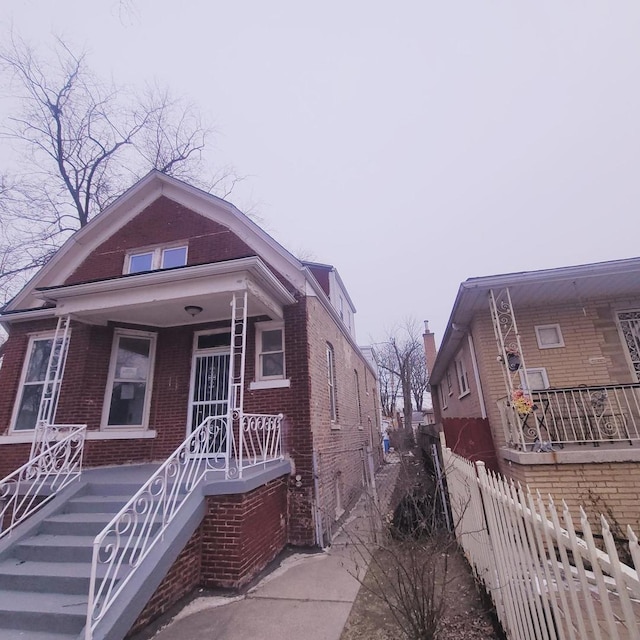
(82, 142)
(402, 357)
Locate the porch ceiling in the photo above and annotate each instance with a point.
(159, 298)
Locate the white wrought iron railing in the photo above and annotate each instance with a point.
(260, 439)
(56, 460)
(574, 415)
(120, 548)
(548, 580)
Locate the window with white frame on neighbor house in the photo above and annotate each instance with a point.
(32, 382)
(443, 396)
(537, 377)
(449, 383)
(549, 336)
(270, 363)
(154, 259)
(463, 378)
(331, 383)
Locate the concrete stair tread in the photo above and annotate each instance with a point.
(22, 634)
(67, 604)
(15, 567)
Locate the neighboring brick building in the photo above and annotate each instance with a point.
(149, 287)
(538, 375)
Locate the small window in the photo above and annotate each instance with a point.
(549, 336)
(331, 383)
(176, 257)
(537, 379)
(270, 351)
(160, 258)
(463, 378)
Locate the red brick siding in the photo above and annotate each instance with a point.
(183, 576)
(163, 221)
(242, 533)
(471, 438)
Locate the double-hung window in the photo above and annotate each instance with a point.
(463, 378)
(129, 386)
(270, 351)
(158, 258)
(331, 383)
(32, 383)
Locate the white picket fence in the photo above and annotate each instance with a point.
(547, 578)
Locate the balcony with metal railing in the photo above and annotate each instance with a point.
(563, 418)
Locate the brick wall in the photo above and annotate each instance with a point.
(471, 438)
(601, 488)
(341, 445)
(162, 222)
(183, 577)
(242, 533)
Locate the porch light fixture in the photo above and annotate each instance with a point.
(193, 310)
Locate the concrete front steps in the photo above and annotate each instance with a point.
(45, 564)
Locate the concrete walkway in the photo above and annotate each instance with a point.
(308, 597)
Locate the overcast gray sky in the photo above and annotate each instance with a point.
(411, 144)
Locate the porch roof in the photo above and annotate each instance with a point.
(617, 278)
(159, 298)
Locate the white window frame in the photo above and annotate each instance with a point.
(331, 383)
(106, 407)
(540, 327)
(463, 378)
(157, 254)
(449, 383)
(269, 382)
(534, 370)
(359, 403)
(34, 337)
(443, 397)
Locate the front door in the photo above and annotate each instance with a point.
(210, 390)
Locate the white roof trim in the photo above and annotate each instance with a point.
(80, 245)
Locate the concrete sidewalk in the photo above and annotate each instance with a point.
(308, 596)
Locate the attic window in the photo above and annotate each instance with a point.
(158, 258)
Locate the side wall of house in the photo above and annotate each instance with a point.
(341, 444)
(593, 354)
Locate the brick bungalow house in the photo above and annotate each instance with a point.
(169, 310)
(538, 375)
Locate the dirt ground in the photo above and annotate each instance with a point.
(465, 617)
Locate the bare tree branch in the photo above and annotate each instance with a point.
(81, 143)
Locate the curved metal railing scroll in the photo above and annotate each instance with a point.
(120, 548)
(55, 462)
(261, 439)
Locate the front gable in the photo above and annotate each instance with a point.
(156, 210)
(164, 222)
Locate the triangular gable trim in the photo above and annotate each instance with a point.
(131, 203)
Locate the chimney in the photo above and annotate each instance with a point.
(429, 346)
